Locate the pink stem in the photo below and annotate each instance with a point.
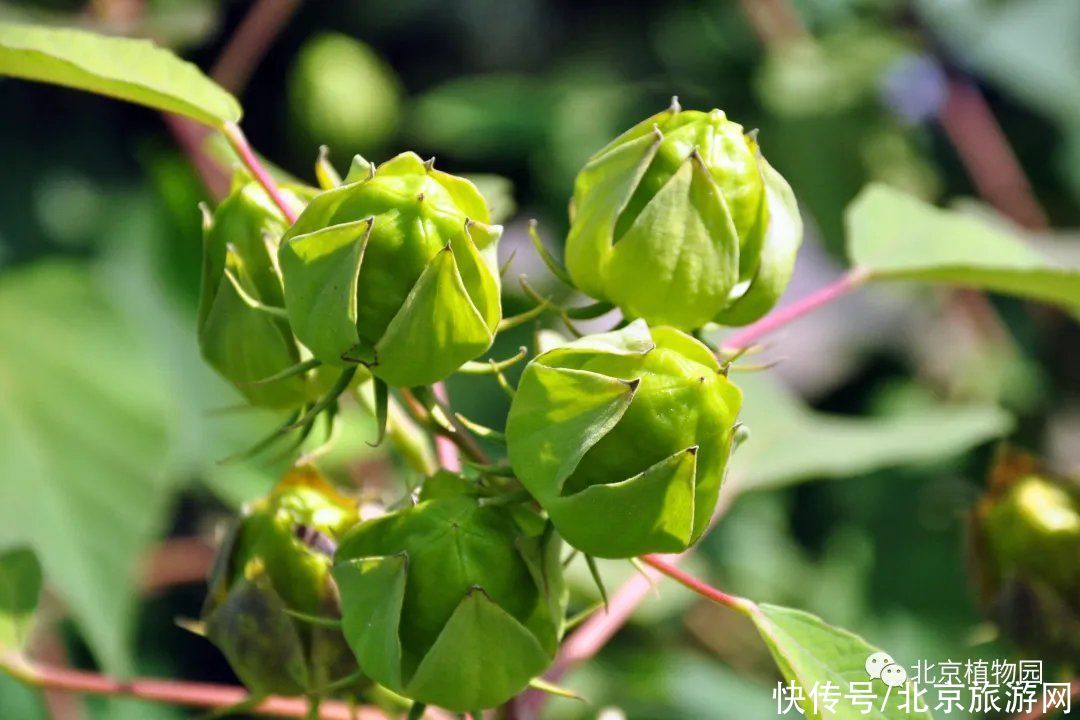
(445, 449)
(986, 154)
(789, 313)
(240, 144)
(687, 580)
(585, 642)
(186, 694)
(191, 136)
(249, 43)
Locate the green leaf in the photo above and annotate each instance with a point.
(790, 443)
(810, 652)
(134, 70)
(895, 236)
(83, 437)
(20, 586)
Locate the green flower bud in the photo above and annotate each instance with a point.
(1026, 546)
(245, 343)
(451, 602)
(277, 560)
(680, 221)
(623, 438)
(395, 269)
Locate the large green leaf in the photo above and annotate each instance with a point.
(134, 70)
(811, 653)
(789, 442)
(83, 445)
(20, 586)
(893, 235)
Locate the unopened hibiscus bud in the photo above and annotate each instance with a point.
(623, 438)
(274, 565)
(681, 221)
(451, 602)
(240, 335)
(1026, 544)
(395, 269)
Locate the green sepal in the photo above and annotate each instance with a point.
(464, 194)
(664, 494)
(242, 343)
(321, 271)
(504, 655)
(359, 170)
(372, 591)
(250, 627)
(475, 252)
(684, 246)
(543, 556)
(609, 178)
(246, 345)
(634, 339)
(437, 329)
(779, 249)
(557, 415)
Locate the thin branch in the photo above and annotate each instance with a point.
(593, 634)
(445, 448)
(987, 156)
(176, 561)
(451, 438)
(234, 66)
(250, 41)
(776, 22)
(185, 694)
(191, 137)
(463, 438)
(789, 313)
(689, 581)
(239, 142)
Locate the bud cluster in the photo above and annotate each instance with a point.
(617, 442)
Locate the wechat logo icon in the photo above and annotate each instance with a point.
(881, 666)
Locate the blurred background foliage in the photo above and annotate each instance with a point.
(111, 428)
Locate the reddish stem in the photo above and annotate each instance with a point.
(986, 154)
(776, 22)
(191, 137)
(445, 449)
(687, 580)
(789, 313)
(176, 561)
(250, 41)
(240, 144)
(186, 694)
